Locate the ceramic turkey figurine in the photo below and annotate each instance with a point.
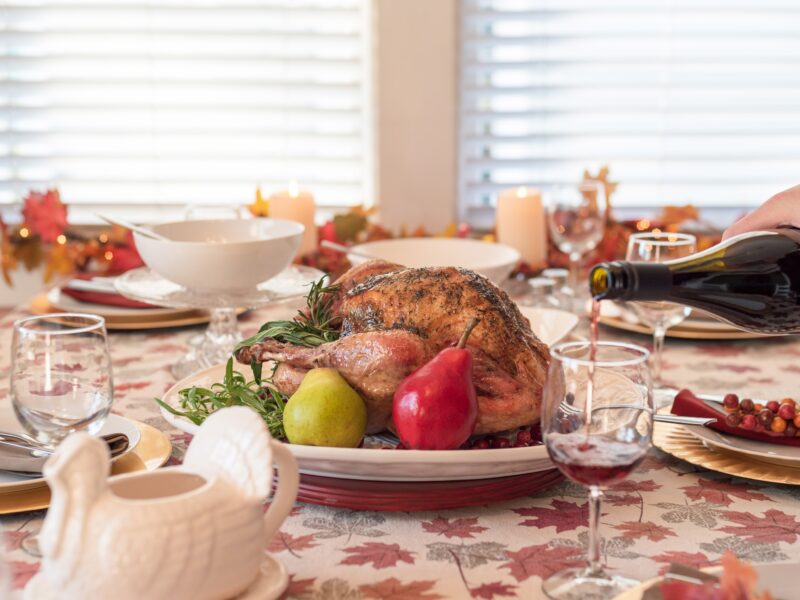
(196, 531)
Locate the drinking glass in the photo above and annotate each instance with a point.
(597, 421)
(61, 378)
(660, 316)
(576, 217)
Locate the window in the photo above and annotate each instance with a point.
(156, 104)
(688, 101)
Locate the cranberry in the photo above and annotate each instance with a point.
(733, 419)
(746, 405)
(536, 432)
(731, 401)
(778, 425)
(518, 444)
(500, 442)
(524, 437)
(765, 417)
(481, 444)
(401, 446)
(791, 430)
(786, 412)
(748, 421)
(773, 405)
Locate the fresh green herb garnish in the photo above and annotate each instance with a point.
(311, 327)
(198, 402)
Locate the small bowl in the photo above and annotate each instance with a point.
(221, 254)
(493, 261)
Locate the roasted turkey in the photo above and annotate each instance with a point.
(394, 319)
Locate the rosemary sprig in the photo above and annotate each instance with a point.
(310, 327)
(235, 390)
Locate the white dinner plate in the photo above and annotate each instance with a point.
(764, 451)
(374, 463)
(777, 578)
(69, 304)
(8, 422)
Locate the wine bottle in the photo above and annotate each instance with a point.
(752, 281)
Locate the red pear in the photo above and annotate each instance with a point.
(435, 408)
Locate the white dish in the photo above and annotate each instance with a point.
(8, 422)
(494, 261)
(66, 303)
(775, 453)
(550, 324)
(221, 255)
(381, 464)
(778, 578)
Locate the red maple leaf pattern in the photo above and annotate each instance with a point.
(720, 492)
(292, 544)
(21, 573)
(630, 485)
(696, 560)
(450, 528)
(625, 500)
(394, 589)
(542, 560)
(724, 350)
(299, 587)
(737, 368)
(774, 526)
(633, 530)
(379, 554)
(564, 516)
(488, 591)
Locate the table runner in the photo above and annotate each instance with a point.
(668, 510)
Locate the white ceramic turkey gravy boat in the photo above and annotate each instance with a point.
(195, 531)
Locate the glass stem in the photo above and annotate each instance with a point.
(593, 551)
(659, 331)
(574, 283)
(221, 336)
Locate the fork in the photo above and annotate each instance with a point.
(659, 417)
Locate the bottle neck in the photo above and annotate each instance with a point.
(621, 280)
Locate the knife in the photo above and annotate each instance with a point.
(22, 456)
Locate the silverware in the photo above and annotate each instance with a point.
(137, 228)
(346, 249)
(24, 455)
(96, 284)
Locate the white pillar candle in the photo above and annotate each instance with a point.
(521, 223)
(298, 205)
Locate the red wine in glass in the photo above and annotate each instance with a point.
(597, 460)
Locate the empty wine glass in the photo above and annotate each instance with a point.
(597, 420)
(61, 379)
(576, 216)
(660, 247)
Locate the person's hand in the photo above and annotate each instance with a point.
(782, 209)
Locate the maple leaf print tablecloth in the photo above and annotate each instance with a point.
(668, 510)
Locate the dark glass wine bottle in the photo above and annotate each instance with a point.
(751, 281)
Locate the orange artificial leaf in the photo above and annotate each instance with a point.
(259, 208)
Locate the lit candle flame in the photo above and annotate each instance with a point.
(61, 239)
(522, 192)
(294, 189)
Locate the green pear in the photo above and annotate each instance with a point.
(325, 411)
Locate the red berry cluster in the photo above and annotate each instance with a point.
(526, 436)
(774, 417)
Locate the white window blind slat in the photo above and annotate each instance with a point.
(687, 100)
(160, 103)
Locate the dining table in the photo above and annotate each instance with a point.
(666, 511)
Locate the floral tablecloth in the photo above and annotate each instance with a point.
(666, 511)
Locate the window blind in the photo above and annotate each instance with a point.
(155, 104)
(688, 101)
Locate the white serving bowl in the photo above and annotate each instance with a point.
(221, 254)
(493, 261)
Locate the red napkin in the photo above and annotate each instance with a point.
(102, 297)
(686, 404)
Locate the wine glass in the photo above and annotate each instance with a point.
(597, 420)
(660, 247)
(576, 217)
(61, 380)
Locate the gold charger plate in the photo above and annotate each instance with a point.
(683, 333)
(152, 451)
(675, 440)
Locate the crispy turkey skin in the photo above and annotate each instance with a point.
(395, 319)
